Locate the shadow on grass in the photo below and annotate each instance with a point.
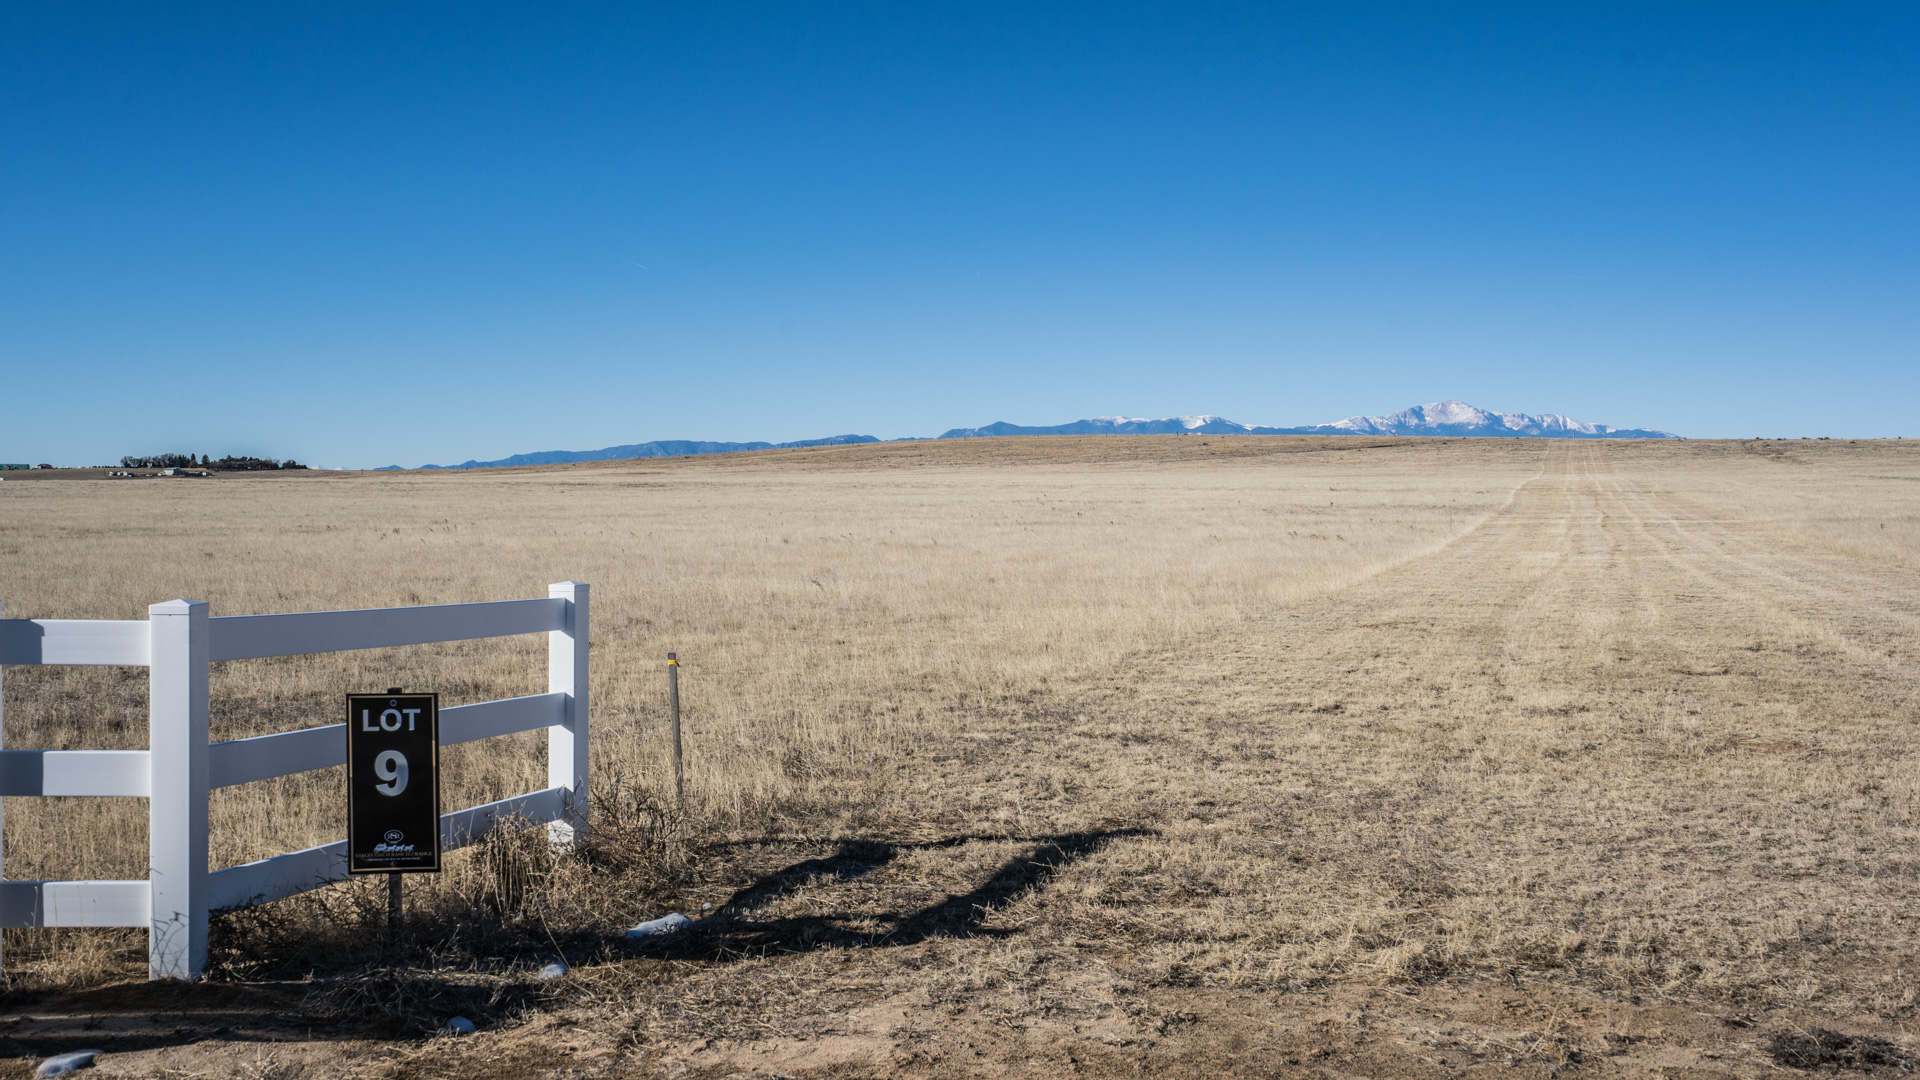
(731, 932)
(412, 993)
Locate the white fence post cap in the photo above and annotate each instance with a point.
(175, 607)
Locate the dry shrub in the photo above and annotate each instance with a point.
(513, 875)
(649, 845)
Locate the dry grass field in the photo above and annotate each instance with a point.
(1177, 756)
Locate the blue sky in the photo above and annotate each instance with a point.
(361, 234)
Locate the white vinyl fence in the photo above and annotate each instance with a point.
(176, 643)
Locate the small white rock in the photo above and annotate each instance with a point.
(65, 1064)
(554, 970)
(659, 929)
(459, 1025)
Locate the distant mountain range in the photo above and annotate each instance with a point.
(657, 448)
(1454, 418)
(1437, 418)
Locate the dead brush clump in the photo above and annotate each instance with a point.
(504, 903)
(474, 936)
(504, 906)
(649, 845)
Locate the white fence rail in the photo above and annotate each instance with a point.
(176, 643)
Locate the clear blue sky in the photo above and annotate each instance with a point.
(361, 234)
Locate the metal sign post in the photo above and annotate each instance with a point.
(393, 788)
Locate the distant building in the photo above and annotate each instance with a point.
(14, 468)
(185, 472)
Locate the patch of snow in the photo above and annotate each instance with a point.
(66, 1064)
(659, 929)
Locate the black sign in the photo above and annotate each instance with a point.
(393, 783)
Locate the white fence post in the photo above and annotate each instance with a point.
(567, 742)
(177, 807)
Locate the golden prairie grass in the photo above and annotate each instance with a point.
(816, 600)
(1062, 736)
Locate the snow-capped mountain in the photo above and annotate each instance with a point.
(1436, 418)
(1460, 418)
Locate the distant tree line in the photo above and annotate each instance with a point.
(230, 463)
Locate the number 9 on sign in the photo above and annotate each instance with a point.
(391, 768)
